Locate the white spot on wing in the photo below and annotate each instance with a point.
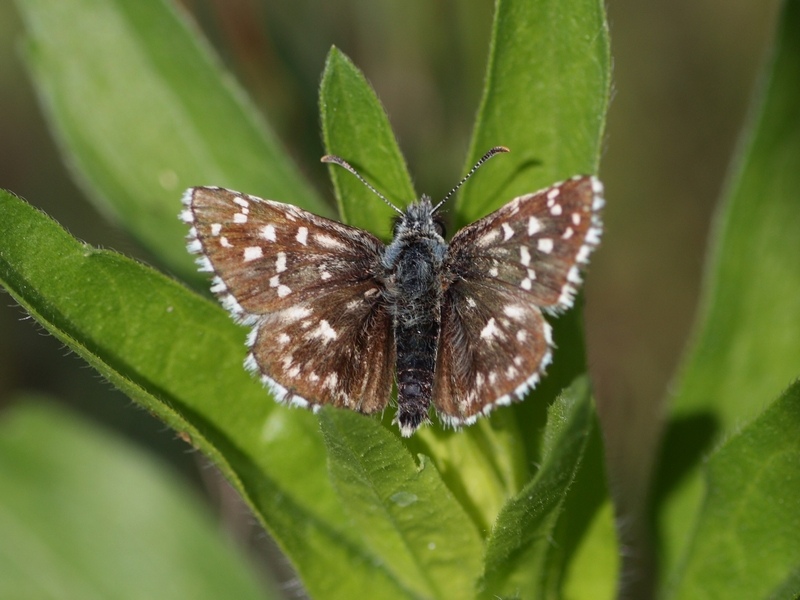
(302, 235)
(280, 262)
(268, 233)
(524, 256)
(491, 330)
(329, 242)
(514, 311)
(252, 253)
(283, 291)
(295, 313)
(507, 232)
(324, 331)
(534, 226)
(240, 218)
(545, 245)
(216, 228)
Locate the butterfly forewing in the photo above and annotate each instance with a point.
(538, 242)
(268, 255)
(503, 271)
(308, 286)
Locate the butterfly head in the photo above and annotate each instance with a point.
(418, 220)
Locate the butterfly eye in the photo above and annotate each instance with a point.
(439, 226)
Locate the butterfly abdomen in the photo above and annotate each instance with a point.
(414, 297)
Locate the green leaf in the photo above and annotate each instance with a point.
(84, 515)
(356, 128)
(518, 549)
(409, 519)
(143, 109)
(745, 541)
(483, 465)
(546, 95)
(180, 357)
(747, 339)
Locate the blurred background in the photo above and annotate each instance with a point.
(684, 71)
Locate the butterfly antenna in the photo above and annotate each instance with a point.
(484, 158)
(330, 158)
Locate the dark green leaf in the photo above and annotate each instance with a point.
(143, 110)
(408, 518)
(356, 128)
(85, 515)
(745, 542)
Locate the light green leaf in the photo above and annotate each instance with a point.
(143, 109)
(745, 542)
(180, 357)
(517, 555)
(747, 339)
(408, 518)
(84, 515)
(546, 94)
(356, 128)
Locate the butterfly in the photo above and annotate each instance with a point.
(338, 317)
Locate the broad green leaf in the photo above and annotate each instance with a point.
(545, 98)
(84, 515)
(179, 356)
(745, 542)
(356, 128)
(517, 553)
(143, 109)
(408, 518)
(747, 339)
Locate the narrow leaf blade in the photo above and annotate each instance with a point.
(356, 128)
(517, 551)
(545, 97)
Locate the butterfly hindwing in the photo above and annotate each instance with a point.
(494, 346)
